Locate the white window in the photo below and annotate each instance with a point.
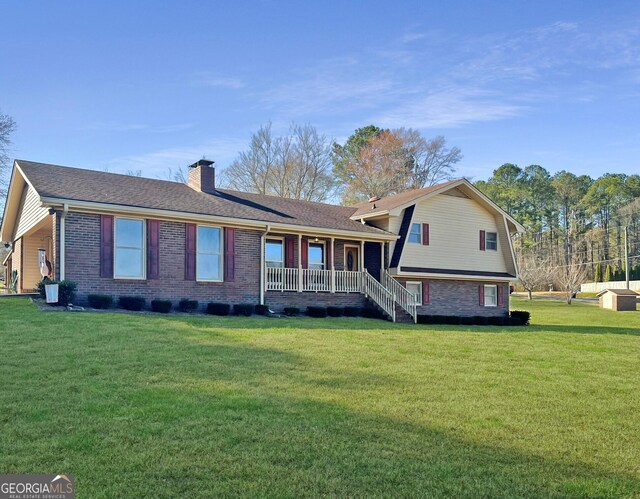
(415, 234)
(415, 288)
(274, 254)
(490, 295)
(492, 241)
(316, 256)
(129, 248)
(209, 254)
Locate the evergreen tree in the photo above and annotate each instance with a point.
(598, 275)
(608, 274)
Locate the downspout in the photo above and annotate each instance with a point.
(65, 210)
(263, 238)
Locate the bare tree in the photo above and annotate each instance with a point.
(133, 173)
(570, 277)
(431, 160)
(296, 165)
(178, 175)
(534, 272)
(7, 127)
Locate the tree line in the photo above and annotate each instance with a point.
(571, 220)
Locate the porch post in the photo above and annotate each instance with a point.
(362, 256)
(381, 259)
(263, 283)
(299, 263)
(333, 267)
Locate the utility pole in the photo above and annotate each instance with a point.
(626, 259)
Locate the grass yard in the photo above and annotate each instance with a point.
(157, 406)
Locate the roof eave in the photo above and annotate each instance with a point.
(259, 224)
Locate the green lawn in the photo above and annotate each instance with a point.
(157, 406)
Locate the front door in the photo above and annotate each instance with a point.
(352, 258)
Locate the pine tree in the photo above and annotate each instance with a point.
(598, 276)
(608, 274)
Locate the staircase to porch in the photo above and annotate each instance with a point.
(387, 295)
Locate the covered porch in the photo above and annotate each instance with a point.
(31, 254)
(307, 263)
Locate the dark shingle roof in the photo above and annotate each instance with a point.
(390, 202)
(61, 182)
(621, 292)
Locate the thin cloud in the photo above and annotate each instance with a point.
(448, 108)
(155, 164)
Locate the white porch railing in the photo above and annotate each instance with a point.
(379, 294)
(281, 279)
(386, 293)
(316, 280)
(348, 281)
(401, 294)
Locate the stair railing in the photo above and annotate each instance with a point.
(379, 294)
(403, 297)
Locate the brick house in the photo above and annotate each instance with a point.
(442, 250)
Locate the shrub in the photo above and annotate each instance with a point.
(480, 320)
(162, 306)
(187, 306)
(245, 309)
(319, 312)
(425, 319)
(262, 309)
(66, 290)
(466, 321)
(496, 320)
(218, 308)
(352, 311)
(521, 317)
(134, 303)
(452, 320)
(291, 311)
(371, 313)
(439, 319)
(335, 311)
(100, 301)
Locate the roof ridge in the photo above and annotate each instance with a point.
(102, 172)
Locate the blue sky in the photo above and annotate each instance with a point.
(153, 85)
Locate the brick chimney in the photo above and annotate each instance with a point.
(202, 176)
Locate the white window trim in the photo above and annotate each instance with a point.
(344, 261)
(324, 253)
(272, 238)
(419, 283)
(144, 249)
(494, 286)
(419, 241)
(486, 240)
(221, 253)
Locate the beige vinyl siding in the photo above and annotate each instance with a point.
(394, 228)
(30, 245)
(454, 227)
(30, 212)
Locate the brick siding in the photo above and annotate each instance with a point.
(278, 300)
(450, 297)
(83, 267)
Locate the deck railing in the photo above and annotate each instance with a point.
(281, 279)
(348, 281)
(386, 293)
(401, 294)
(316, 280)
